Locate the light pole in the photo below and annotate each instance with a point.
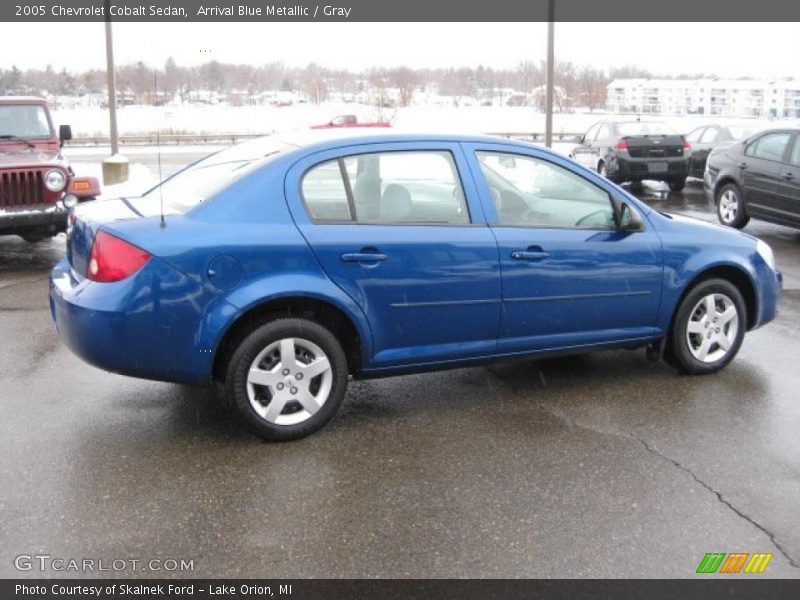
(115, 167)
(548, 117)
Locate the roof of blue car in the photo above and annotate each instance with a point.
(325, 138)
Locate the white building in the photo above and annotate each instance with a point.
(724, 97)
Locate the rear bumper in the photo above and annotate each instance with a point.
(625, 168)
(144, 326)
(51, 220)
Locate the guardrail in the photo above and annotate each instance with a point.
(178, 139)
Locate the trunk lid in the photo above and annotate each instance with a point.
(655, 146)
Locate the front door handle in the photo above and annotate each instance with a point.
(743, 165)
(364, 257)
(788, 176)
(529, 254)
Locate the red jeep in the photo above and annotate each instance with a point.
(37, 185)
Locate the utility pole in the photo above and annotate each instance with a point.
(548, 117)
(111, 81)
(115, 168)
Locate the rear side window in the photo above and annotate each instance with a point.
(386, 188)
(769, 147)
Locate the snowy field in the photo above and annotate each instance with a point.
(222, 119)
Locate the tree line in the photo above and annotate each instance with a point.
(581, 85)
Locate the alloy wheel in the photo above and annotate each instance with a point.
(728, 206)
(289, 381)
(712, 328)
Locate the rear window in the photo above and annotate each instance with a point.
(406, 187)
(644, 128)
(200, 181)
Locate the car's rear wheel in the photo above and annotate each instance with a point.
(708, 328)
(730, 208)
(676, 185)
(287, 378)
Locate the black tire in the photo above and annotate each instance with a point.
(730, 206)
(236, 378)
(676, 185)
(601, 168)
(677, 351)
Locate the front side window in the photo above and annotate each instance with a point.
(411, 187)
(794, 159)
(710, 136)
(694, 136)
(528, 192)
(769, 147)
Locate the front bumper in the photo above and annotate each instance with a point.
(625, 168)
(21, 219)
(768, 289)
(144, 326)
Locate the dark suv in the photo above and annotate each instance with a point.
(638, 150)
(757, 177)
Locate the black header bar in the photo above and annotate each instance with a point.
(401, 11)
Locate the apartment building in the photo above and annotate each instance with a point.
(723, 97)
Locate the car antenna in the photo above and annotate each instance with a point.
(162, 222)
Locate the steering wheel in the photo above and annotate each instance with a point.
(584, 219)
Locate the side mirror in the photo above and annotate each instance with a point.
(64, 133)
(629, 218)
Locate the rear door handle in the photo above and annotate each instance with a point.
(529, 254)
(788, 176)
(364, 257)
(743, 165)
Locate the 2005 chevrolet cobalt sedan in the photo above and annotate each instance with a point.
(279, 268)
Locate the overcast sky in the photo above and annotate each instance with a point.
(725, 49)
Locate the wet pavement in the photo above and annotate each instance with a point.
(602, 465)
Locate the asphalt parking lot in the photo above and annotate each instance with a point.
(601, 465)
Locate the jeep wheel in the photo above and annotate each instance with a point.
(287, 379)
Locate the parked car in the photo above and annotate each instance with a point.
(37, 184)
(705, 138)
(581, 154)
(350, 121)
(284, 265)
(638, 150)
(758, 177)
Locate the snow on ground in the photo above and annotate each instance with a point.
(219, 119)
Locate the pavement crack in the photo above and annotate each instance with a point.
(560, 415)
(720, 498)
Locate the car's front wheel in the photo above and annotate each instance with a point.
(287, 378)
(708, 328)
(730, 208)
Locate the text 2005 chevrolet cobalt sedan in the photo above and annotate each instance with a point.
(282, 267)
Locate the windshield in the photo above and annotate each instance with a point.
(200, 181)
(644, 128)
(24, 121)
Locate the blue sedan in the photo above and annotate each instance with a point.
(282, 267)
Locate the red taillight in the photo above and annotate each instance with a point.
(113, 259)
(621, 145)
(686, 145)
